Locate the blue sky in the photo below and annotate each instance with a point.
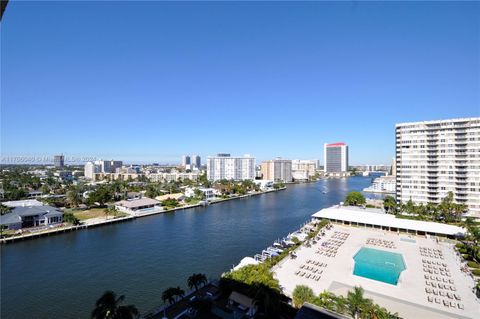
(151, 81)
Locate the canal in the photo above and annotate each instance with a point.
(62, 276)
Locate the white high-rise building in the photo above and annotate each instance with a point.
(277, 170)
(336, 157)
(224, 166)
(437, 157)
(91, 169)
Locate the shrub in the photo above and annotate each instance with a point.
(460, 245)
(473, 264)
(476, 272)
(466, 256)
(463, 250)
(302, 294)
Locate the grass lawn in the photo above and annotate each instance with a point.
(93, 213)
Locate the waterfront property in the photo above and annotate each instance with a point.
(31, 216)
(376, 219)
(416, 276)
(434, 158)
(224, 166)
(139, 206)
(335, 158)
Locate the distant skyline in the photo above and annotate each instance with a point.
(151, 81)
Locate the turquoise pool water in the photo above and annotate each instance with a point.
(378, 265)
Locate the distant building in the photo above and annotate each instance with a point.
(90, 169)
(64, 176)
(336, 157)
(300, 175)
(302, 167)
(382, 184)
(277, 170)
(434, 158)
(393, 169)
(173, 176)
(59, 161)
(224, 166)
(196, 161)
(101, 166)
(186, 160)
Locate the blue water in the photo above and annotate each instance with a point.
(378, 265)
(62, 276)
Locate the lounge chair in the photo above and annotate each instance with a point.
(460, 306)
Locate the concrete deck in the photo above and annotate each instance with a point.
(408, 297)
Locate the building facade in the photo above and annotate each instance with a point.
(309, 167)
(336, 157)
(186, 160)
(224, 166)
(196, 161)
(434, 158)
(277, 170)
(59, 161)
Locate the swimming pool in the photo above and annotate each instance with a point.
(378, 265)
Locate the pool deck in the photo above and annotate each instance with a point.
(408, 297)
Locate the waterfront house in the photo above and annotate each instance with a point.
(31, 216)
(138, 206)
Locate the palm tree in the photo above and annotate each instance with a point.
(357, 303)
(266, 299)
(326, 300)
(196, 280)
(168, 295)
(179, 292)
(108, 307)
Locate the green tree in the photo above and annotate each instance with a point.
(302, 294)
(73, 198)
(357, 303)
(169, 295)
(196, 280)
(70, 218)
(355, 199)
(108, 306)
(4, 209)
(390, 204)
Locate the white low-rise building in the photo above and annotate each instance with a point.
(382, 184)
(139, 206)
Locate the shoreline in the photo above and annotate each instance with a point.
(86, 225)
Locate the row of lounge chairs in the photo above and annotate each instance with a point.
(308, 275)
(445, 280)
(431, 252)
(445, 302)
(381, 243)
(340, 235)
(440, 285)
(316, 263)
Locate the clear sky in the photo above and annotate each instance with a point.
(151, 81)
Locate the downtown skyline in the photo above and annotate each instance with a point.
(243, 81)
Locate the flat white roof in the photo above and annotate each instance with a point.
(366, 216)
